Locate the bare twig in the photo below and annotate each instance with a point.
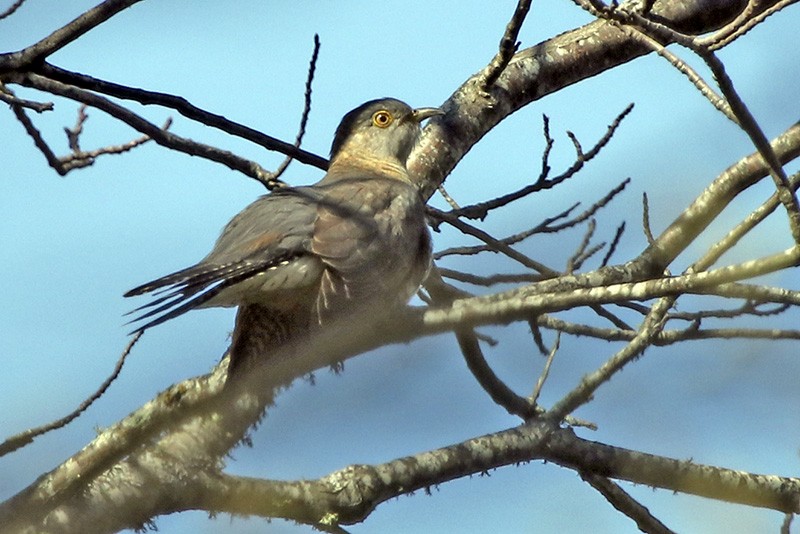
(495, 244)
(614, 243)
(508, 45)
(78, 158)
(649, 329)
(510, 240)
(164, 138)
(611, 318)
(83, 158)
(684, 68)
(312, 67)
(447, 198)
(751, 309)
(739, 109)
(742, 24)
(182, 106)
(786, 525)
(488, 280)
(536, 334)
(665, 337)
(537, 390)
(7, 96)
(546, 226)
(480, 210)
(20, 440)
(549, 142)
(752, 220)
(500, 393)
(444, 294)
(622, 501)
(751, 127)
(74, 133)
(65, 35)
(38, 140)
(646, 220)
(584, 251)
(11, 9)
(591, 210)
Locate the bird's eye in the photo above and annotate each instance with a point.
(382, 119)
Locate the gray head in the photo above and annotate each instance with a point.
(385, 129)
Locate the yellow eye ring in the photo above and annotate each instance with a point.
(382, 118)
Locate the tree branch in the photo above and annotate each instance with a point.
(63, 36)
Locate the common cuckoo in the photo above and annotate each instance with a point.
(307, 255)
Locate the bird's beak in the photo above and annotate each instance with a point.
(420, 114)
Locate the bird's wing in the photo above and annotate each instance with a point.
(271, 236)
(368, 233)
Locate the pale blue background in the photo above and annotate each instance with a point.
(72, 246)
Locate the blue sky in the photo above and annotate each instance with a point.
(72, 246)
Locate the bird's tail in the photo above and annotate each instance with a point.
(187, 289)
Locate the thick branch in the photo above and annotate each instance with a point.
(540, 70)
(349, 496)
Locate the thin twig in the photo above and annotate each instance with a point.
(508, 45)
(312, 68)
(614, 243)
(74, 133)
(60, 38)
(7, 96)
(24, 438)
(744, 117)
(715, 42)
(652, 325)
(549, 142)
(11, 9)
(182, 106)
(752, 220)
(544, 227)
(500, 393)
(489, 280)
(646, 220)
(589, 212)
(78, 158)
(88, 156)
(536, 334)
(492, 242)
(749, 308)
(786, 524)
(756, 134)
(443, 294)
(731, 27)
(611, 318)
(481, 209)
(666, 337)
(447, 198)
(684, 68)
(164, 138)
(622, 501)
(584, 252)
(38, 140)
(510, 240)
(537, 390)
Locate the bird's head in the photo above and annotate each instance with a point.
(381, 131)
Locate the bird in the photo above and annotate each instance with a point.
(308, 255)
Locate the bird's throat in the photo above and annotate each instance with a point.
(349, 165)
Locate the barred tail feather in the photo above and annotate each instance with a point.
(187, 290)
